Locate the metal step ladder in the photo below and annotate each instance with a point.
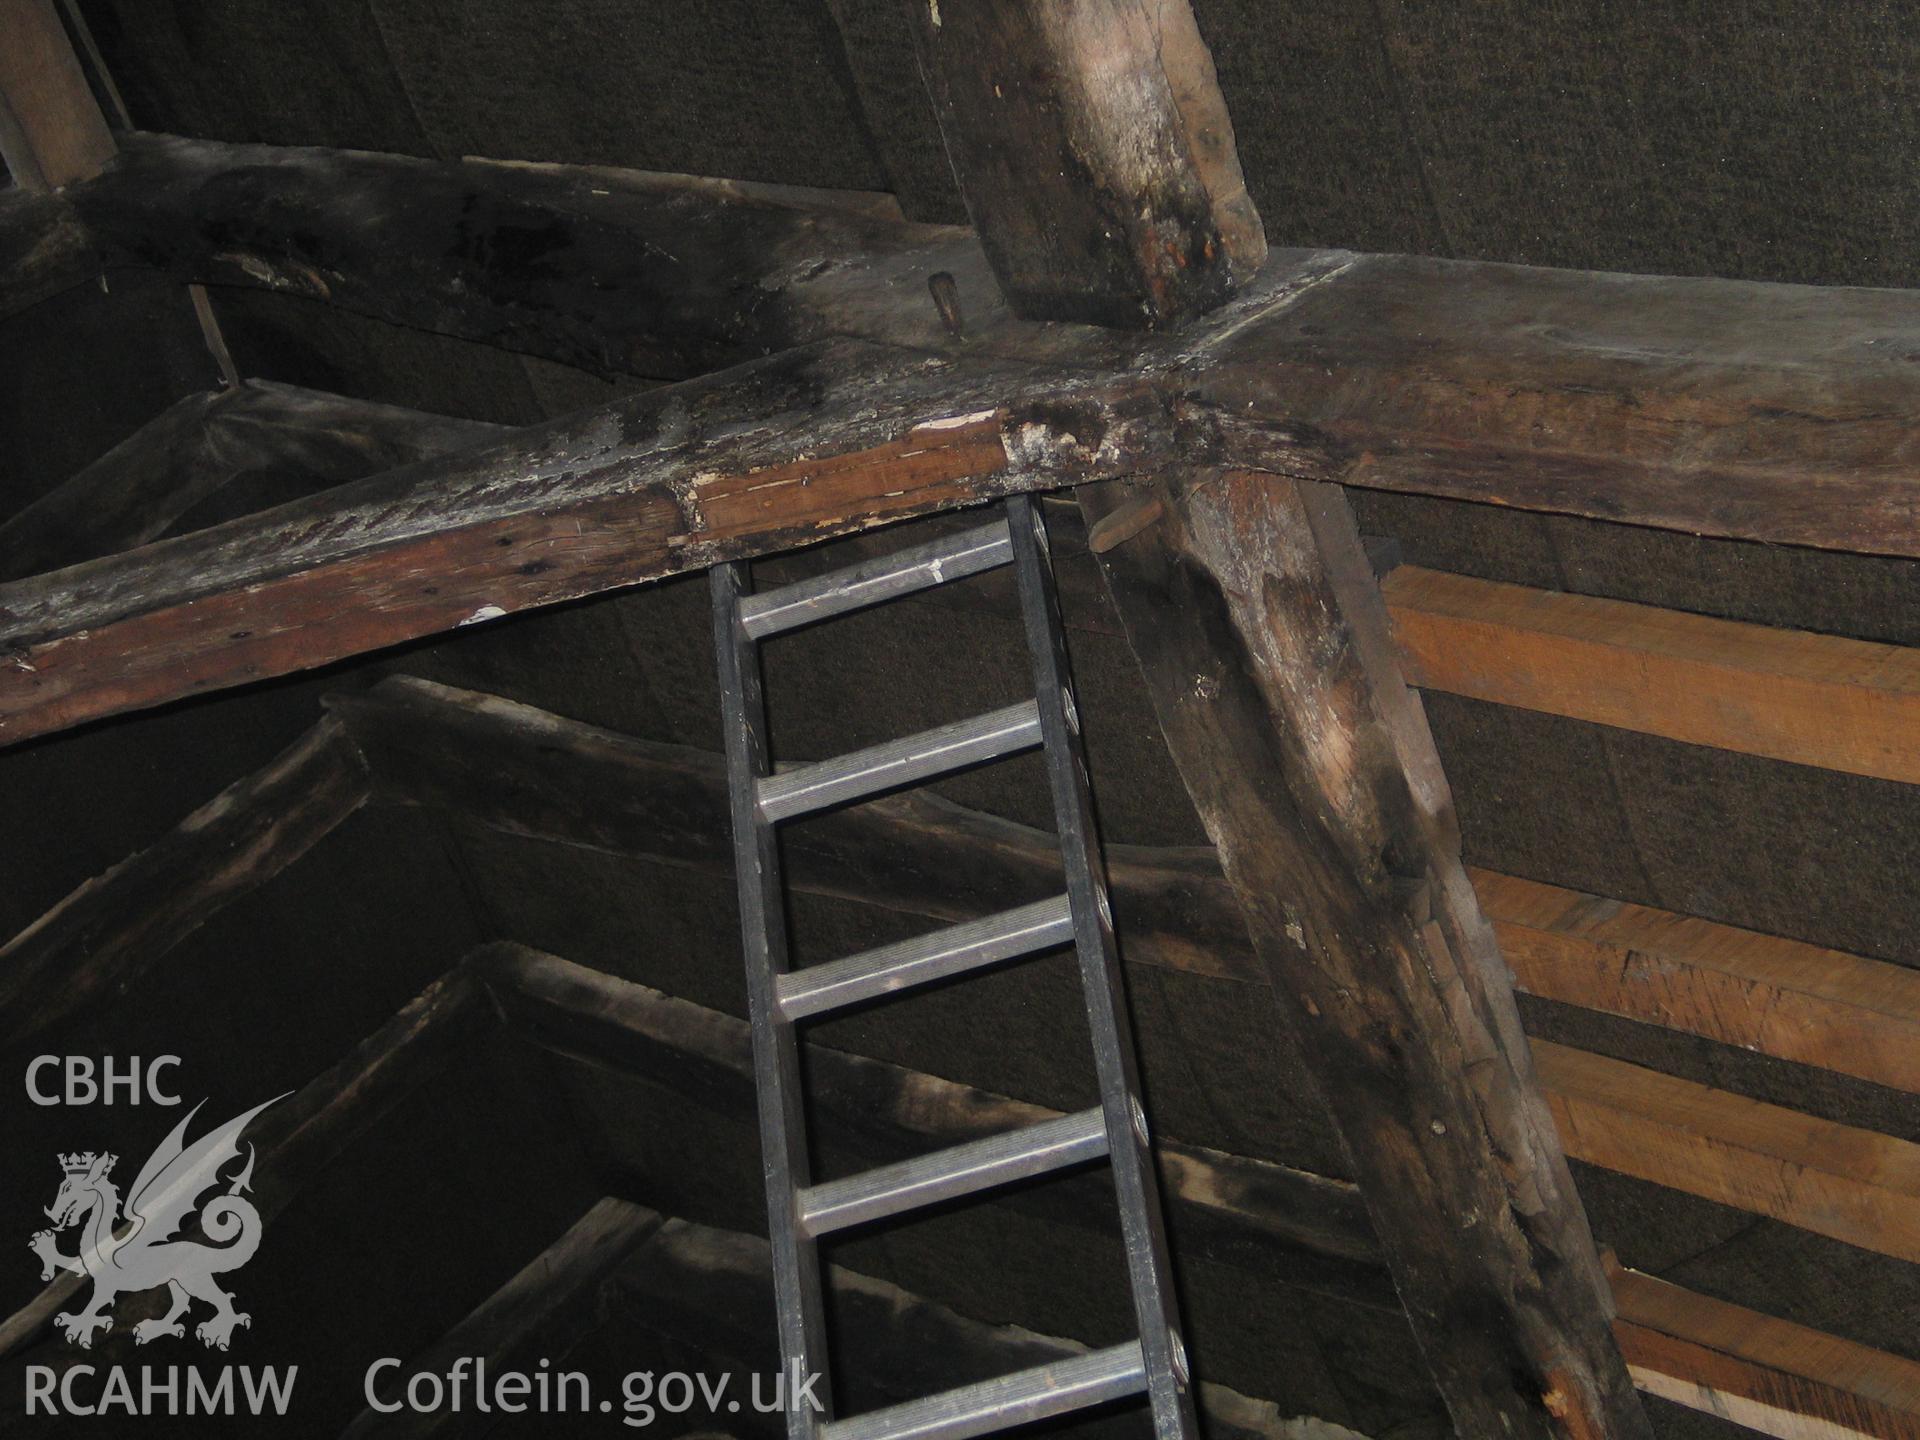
(800, 1212)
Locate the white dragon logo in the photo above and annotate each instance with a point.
(142, 1253)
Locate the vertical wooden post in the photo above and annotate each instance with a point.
(1262, 638)
(1095, 155)
(51, 130)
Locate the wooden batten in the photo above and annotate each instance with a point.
(1836, 1180)
(1777, 997)
(1820, 700)
(1767, 1374)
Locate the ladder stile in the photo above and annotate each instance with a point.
(1142, 1227)
(776, 1058)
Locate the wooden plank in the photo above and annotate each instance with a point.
(1791, 695)
(816, 442)
(1250, 608)
(51, 130)
(1765, 1373)
(1095, 155)
(1778, 997)
(1836, 1180)
(174, 466)
(118, 925)
(301, 1136)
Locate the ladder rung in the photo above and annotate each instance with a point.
(925, 958)
(900, 762)
(959, 1170)
(952, 557)
(1005, 1401)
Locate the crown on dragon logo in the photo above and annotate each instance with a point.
(80, 1164)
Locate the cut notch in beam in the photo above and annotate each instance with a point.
(924, 959)
(1005, 1401)
(885, 577)
(894, 763)
(958, 1170)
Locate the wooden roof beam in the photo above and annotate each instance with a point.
(1781, 413)
(812, 443)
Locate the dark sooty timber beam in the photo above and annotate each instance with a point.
(1729, 409)
(812, 443)
(609, 270)
(1263, 641)
(1782, 413)
(45, 249)
(1095, 155)
(178, 467)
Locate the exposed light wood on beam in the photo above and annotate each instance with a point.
(813, 443)
(1251, 609)
(116, 926)
(173, 468)
(302, 1135)
(51, 129)
(1811, 699)
(1300, 1229)
(1095, 154)
(1836, 1180)
(1778, 997)
(1767, 1374)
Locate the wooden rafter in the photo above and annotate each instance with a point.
(298, 1138)
(1263, 643)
